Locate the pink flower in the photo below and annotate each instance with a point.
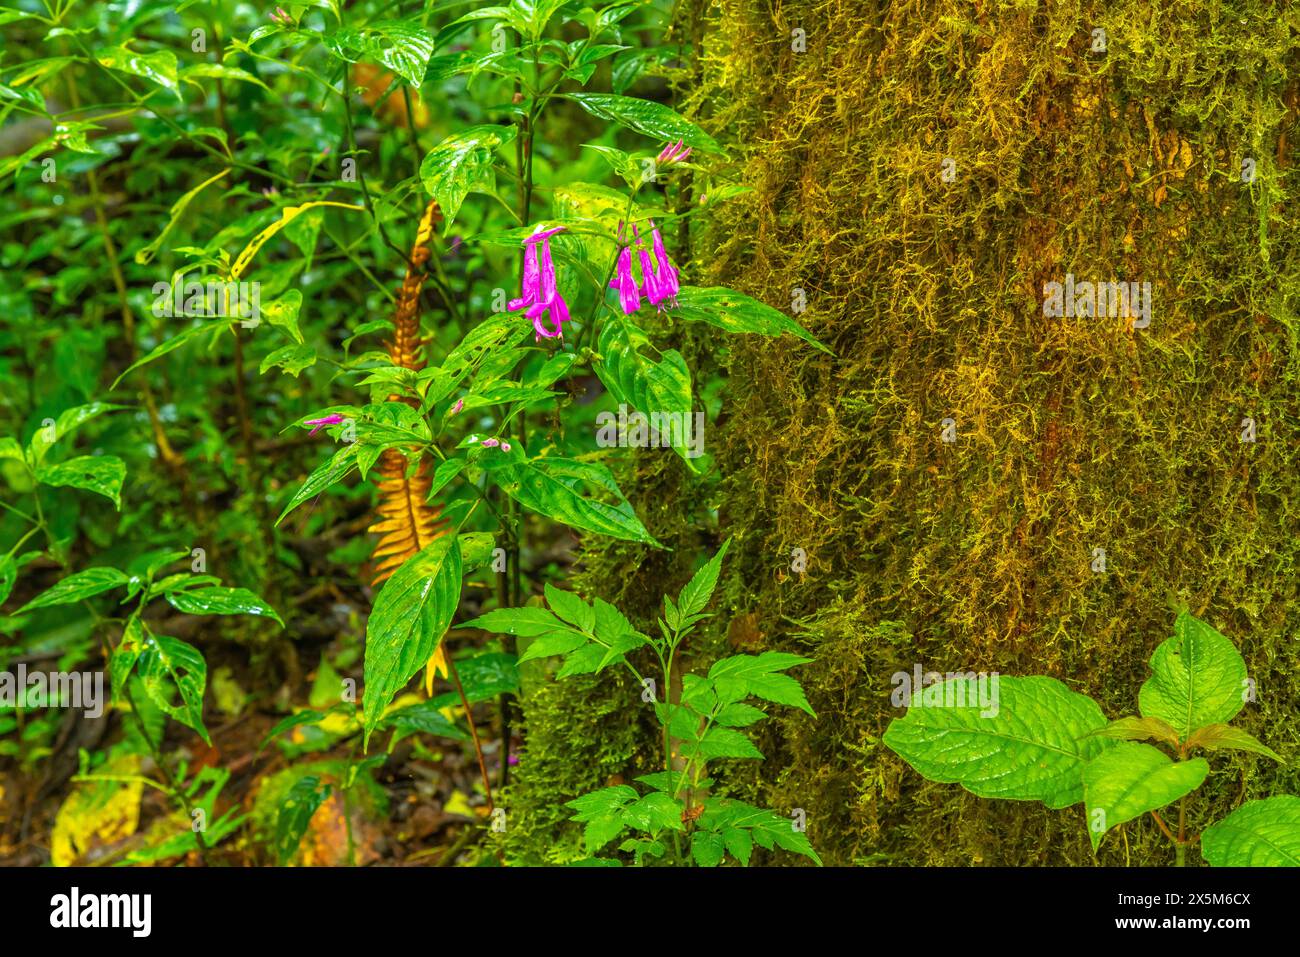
(539, 294)
(321, 423)
(455, 409)
(281, 17)
(491, 443)
(666, 275)
(673, 153)
(629, 296)
(505, 446)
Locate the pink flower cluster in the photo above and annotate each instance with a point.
(660, 281)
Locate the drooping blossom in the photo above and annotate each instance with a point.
(321, 423)
(629, 296)
(539, 294)
(673, 153)
(460, 404)
(660, 281)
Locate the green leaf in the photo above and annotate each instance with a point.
(661, 391)
(8, 575)
(425, 718)
(293, 359)
(158, 67)
(103, 474)
(765, 828)
(68, 422)
(145, 254)
(553, 643)
(553, 487)
(1220, 737)
(462, 164)
(294, 817)
(74, 588)
(720, 742)
(708, 848)
(695, 596)
(571, 608)
(283, 313)
(736, 312)
(10, 449)
(1262, 833)
(1029, 750)
(176, 341)
(222, 72)
(739, 715)
(1197, 678)
(526, 622)
(1130, 779)
(648, 118)
(410, 617)
(218, 600)
(333, 470)
(1141, 729)
(759, 675)
(124, 657)
(168, 667)
(404, 46)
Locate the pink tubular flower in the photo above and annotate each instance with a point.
(491, 443)
(649, 279)
(629, 296)
(673, 153)
(539, 294)
(321, 423)
(666, 275)
(280, 16)
(460, 404)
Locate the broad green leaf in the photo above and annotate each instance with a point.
(78, 586)
(1197, 678)
(404, 46)
(760, 675)
(722, 742)
(736, 312)
(661, 391)
(1262, 833)
(1031, 748)
(283, 313)
(1221, 737)
(10, 449)
(410, 617)
(553, 643)
(293, 359)
(68, 422)
(158, 67)
(168, 668)
(222, 72)
(648, 118)
(103, 474)
(462, 164)
(218, 600)
(424, 718)
(294, 817)
(124, 657)
(553, 487)
(1130, 779)
(695, 596)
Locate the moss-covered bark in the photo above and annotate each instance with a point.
(1072, 434)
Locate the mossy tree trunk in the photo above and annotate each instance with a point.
(920, 171)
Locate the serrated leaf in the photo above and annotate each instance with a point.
(570, 608)
(526, 621)
(410, 617)
(1033, 748)
(1130, 779)
(1141, 729)
(708, 848)
(695, 595)
(1197, 678)
(739, 676)
(1264, 833)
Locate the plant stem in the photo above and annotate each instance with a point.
(473, 731)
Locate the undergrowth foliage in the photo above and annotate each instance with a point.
(308, 159)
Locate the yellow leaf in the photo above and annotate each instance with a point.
(97, 813)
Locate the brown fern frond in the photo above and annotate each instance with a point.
(407, 522)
